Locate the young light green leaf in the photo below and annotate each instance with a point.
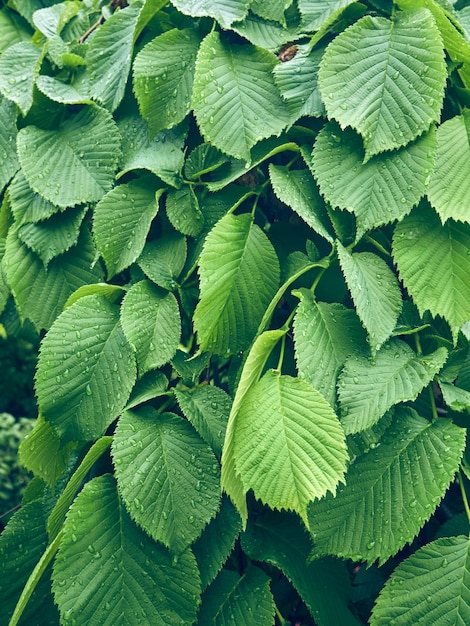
(297, 82)
(42, 452)
(324, 336)
(162, 155)
(449, 187)
(182, 209)
(368, 389)
(250, 374)
(162, 260)
(121, 222)
(294, 451)
(216, 542)
(163, 77)
(390, 491)
(26, 205)
(53, 236)
(239, 275)
(151, 321)
(207, 408)
(86, 369)
(19, 67)
(74, 163)
(434, 264)
(365, 83)
(431, 585)
(316, 12)
(8, 159)
(109, 571)
(297, 189)
(233, 599)
(39, 294)
(21, 545)
(234, 111)
(106, 76)
(375, 292)
(380, 191)
(224, 11)
(281, 540)
(167, 475)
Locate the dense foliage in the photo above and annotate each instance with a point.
(242, 230)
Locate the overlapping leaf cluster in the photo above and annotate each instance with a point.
(242, 231)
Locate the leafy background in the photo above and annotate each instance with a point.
(239, 234)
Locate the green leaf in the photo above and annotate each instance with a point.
(59, 91)
(21, 546)
(234, 111)
(273, 10)
(150, 386)
(183, 212)
(316, 12)
(51, 20)
(297, 189)
(366, 84)
(434, 264)
(121, 222)
(151, 322)
(74, 163)
(368, 389)
(268, 35)
(390, 491)
(236, 168)
(294, 451)
(167, 475)
(39, 294)
(239, 275)
(207, 408)
(297, 82)
(234, 600)
(224, 11)
(13, 29)
(250, 374)
(324, 336)
(8, 159)
(108, 571)
(380, 191)
(202, 160)
(162, 260)
(86, 369)
(375, 293)
(436, 582)
(163, 77)
(162, 155)
(19, 67)
(190, 367)
(53, 236)
(216, 542)
(324, 584)
(26, 205)
(42, 452)
(455, 398)
(449, 187)
(107, 74)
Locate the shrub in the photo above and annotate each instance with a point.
(242, 229)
